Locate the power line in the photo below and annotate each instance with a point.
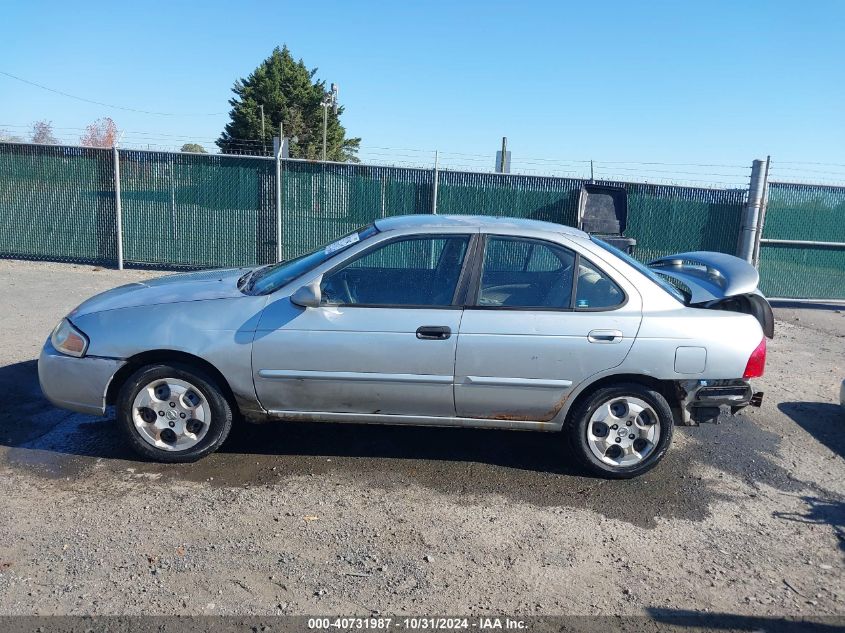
(100, 103)
(801, 170)
(798, 162)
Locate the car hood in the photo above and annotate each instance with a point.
(194, 286)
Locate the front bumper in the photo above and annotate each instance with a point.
(78, 384)
(702, 400)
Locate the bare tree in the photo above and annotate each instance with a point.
(100, 133)
(10, 137)
(42, 133)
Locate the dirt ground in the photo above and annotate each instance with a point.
(746, 517)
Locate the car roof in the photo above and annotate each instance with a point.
(480, 222)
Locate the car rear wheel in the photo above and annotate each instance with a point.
(621, 431)
(171, 413)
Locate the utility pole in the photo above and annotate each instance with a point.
(504, 153)
(329, 101)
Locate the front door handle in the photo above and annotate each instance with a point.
(434, 332)
(605, 336)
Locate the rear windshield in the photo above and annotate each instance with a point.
(265, 280)
(642, 268)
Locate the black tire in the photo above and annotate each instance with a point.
(220, 412)
(577, 428)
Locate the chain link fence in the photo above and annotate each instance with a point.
(667, 219)
(57, 203)
(199, 211)
(324, 201)
(196, 210)
(802, 253)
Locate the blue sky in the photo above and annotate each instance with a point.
(677, 82)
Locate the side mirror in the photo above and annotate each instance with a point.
(308, 296)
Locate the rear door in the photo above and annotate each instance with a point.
(540, 319)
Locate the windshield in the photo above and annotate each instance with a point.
(270, 278)
(642, 268)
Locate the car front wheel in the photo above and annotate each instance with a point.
(621, 431)
(171, 413)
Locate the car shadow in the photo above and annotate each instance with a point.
(664, 619)
(822, 420)
(820, 512)
(807, 305)
(75, 450)
(33, 422)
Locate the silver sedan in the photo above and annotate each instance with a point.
(425, 320)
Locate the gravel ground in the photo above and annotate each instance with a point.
(746, 517)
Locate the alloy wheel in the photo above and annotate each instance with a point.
(171, 414)
(623, 431)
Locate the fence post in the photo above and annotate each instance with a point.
(761, 220)
(279, 194)
(118, 220)
(434, 185)
(751, 214)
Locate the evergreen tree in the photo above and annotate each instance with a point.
(290, 95)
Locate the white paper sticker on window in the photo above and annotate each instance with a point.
(341, 243)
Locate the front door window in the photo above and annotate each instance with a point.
(414, 271)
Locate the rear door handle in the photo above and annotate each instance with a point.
(605, 336)
(434, 332)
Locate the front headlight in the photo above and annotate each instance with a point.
(69, 340)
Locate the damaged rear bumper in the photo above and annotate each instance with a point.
(703, 400)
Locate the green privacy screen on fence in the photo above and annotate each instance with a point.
(536, 197)
(666, 219)
(323, 201)
(197, 210)
(194, 210)
(808, 213)
(57, 203)
(663, 219)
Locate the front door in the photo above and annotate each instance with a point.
(543, 320)
(383, 341)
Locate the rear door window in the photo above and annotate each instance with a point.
(525, 273)
(596, 290)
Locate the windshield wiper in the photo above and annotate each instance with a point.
(243, 278)
(248, 279)
(254, 277)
